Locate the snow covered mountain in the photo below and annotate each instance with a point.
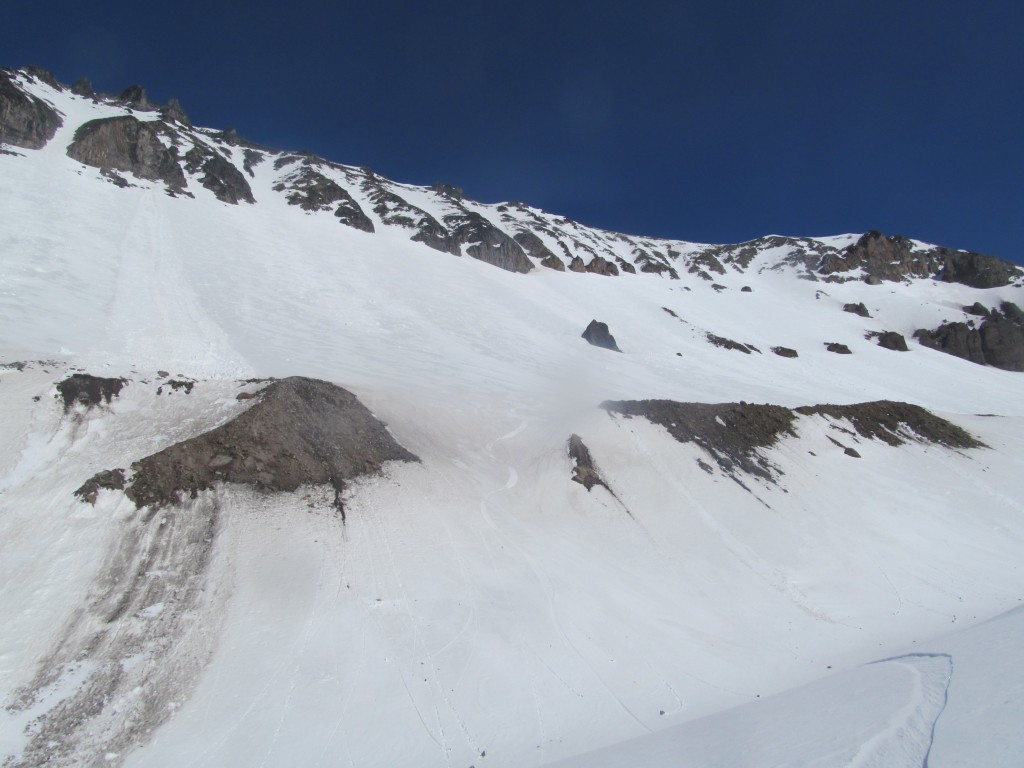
(807, 457)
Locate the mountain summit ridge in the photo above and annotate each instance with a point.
(158, 143)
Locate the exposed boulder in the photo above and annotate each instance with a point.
(890, 340)
(597, 334)
(300, 432)
(857, 309)
(977, 308)
(785, 352)
(85, 389)
(584, 470)
(127, 144)
(577, 265)
(839, 349)
(25, 120)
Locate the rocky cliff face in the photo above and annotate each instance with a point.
(25, 120)
(998, 342)
(127, 144)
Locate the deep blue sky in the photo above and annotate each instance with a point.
(710, 121)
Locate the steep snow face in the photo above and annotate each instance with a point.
(477, 607)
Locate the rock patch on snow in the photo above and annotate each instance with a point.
(734, 434)
(88, 390)
(584, 470)
(300, 432)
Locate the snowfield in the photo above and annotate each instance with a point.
(479, 607)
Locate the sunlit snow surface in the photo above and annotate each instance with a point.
(478, 608)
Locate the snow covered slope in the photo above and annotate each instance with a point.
(478, 606)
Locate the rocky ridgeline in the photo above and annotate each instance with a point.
(158, 143)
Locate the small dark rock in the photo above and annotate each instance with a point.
(978, 309)
(857, 309)
(892, 340)
(839, 349)
(597, 334)
(110, 479)
(88, 390)
(785, 352)
(746, 289)
(724, 343)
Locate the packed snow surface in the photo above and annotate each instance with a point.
(479, 607)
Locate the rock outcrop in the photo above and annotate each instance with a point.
(896, 423)
(127, 144)
(312, 191)
(25, 120)
(998, 342)
(536, 249)
(731, 433)
(486, 242)
(584, 470)
(734, 435)
(300, 431)
(894, 258)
